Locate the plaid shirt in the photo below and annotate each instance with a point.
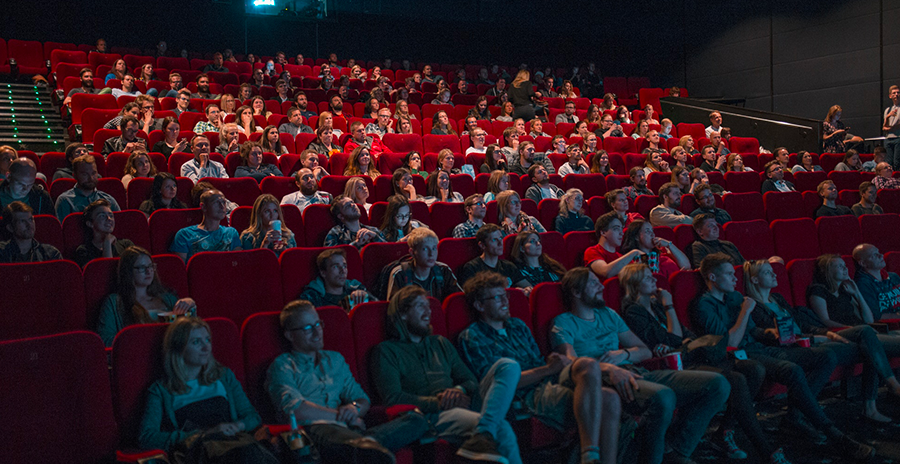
(465, 230)
(204, 126)
(341, 235)
(480, 346)
(632, 192)
(886, 182)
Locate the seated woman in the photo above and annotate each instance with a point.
(402, 184)
(493, 159)
(682, 177)
(170, 142)
(481, 109)
(227, 103)
(735, 163)
(162, 194)
(309, 159)
(567, 90)
(267, 228)
(649, 114)
(439, 188)
(117, 71)
(649, 313)
(404, 125)
(229, 139)
(360, 164)
(699, 176)
(402, 110)
(643, 128)
(441, 124)
(199, 400)
(618, 203)
(519, 125)
(571, 215)
(252, 163)
(590, 144)
(413, 162)
(680, 157)
(805, 164)
(600, 164)
(498, 182)
(98, 223)
(371, 109)
(536, 128)
(687, 142)
(324, 142)
(859, 343)
(834, 296)
(623, 116)
(593, 115)
(575, 163)
(835, 136)
(138, 165)
(446, 160)
(398, 222)
(506, 112)
(140, 298)
(851, 162)
(609, 102)
(653, 162)
(662, 256)
(534, 265)
(243, 117)
(653, 145)
(258, 105)
(271, 142)
(357, 190)
(442, 98)
(581, 130)
(326, 119)
(511, 218)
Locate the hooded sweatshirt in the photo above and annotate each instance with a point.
(315, 293)
(405, 372)
(37, 198)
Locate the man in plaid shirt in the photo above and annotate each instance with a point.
(476, 210)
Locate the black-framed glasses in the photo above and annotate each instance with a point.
(308, 327)
(503, 297)
(145, 269)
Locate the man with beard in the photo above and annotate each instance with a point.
(828, 192)
(216, 65)
(427, 75)
(309, 193)
(128, 141)
(295, 124)
(348, 230)
(667, 214)
(498, 89)
(85, 190)
(527, 157)
(300, 101)
(332, 287)
(87, 86)
(336, 107)
(210, 234)
(203, 88)
(638, 184)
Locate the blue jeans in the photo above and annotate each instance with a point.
(497, 388)
(698, 395)
(331, 439)
(870, 348)
(892, 145)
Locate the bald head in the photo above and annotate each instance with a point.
(22, 167)
(869, 258)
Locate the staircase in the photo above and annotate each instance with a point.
(28, 120)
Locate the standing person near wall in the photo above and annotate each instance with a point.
(891, 127)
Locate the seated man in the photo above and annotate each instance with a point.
(358, 138)
(707, 228)
(416, 367)
(295, 124)
(309, 193)
(608, 128)
(591, 329)
(175, 86)
(201, 166)
(706, 204)
(604, 258)
(128, 141)
(561, 392)
(302, 102)
(316, 388)
(783, 157)
(569, 114)
(85, 190)
(880, 156)
(828, 192)
(336, 108)
(183, 103)
(99, 224)
(20, 185)
(868, 193)
(216, 65)
(209, 235)
(638, 184)
(18, 220)
(490, 241)
(282, 91)
(203, 88)
(498, 89)
(880, 288)
(666, 214)
(87, 86)
(382, 125)
(527, 157)
(332, 287)
(884, 177)
(423, 270)
(475, 210)
(775, 179)
(212, 123)
(349, 231)
(540, 185)
(804, 371)
(711, 160)
(715, 139)
(715, 120)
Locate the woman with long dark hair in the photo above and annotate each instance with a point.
(162, 194)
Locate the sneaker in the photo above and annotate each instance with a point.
(799, 427)
(853, 449)
(777, 457)
(730, 446)
(481, 447)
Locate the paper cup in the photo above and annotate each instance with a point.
(276, 225)
(803, 342)
(673, 361)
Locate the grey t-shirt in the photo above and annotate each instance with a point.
(892, 121)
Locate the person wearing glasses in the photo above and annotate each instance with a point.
(332, 287)
(175, 86)
(316, 387)
(490, 242)
(383, 125)
(475, 210)
(183, 103)
(140, 297)
(476, 138)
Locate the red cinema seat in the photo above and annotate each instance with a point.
(695, 130)
(744, 145)
(29, 54)
(743, 182)
(808, 181)
(686, 287)
(795, 238)
(838, 234)
(546, 303)
(889, 199)
(82, 101)
(377, 256)
(41, 298)
(455, 252)
(880, 230)
(241, 190)
(745, 206)
(445, 217)
(576, 243)
(620, 145)
(48, 230)
(644, 203)
(405, 143)
(298, 268)
(435, 143)
(259, 289)
(334, 184)
(165, 223)
(114, 187)
(463, 183)
(548, 209)
(783, 205)
(138, 190)
(278, 186)
(893, 261)
(61, 380)
(76, 57)
(800, 272)
(752, 238)
(846, 180)
(317, 221)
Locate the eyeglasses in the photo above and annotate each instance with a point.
(503, 297)
(308, 327)
(477, 203)
(145, 269)
(403, 217)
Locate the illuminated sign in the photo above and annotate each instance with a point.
(263, 2)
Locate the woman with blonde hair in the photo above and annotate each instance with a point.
(511, 218)
(571, 215)
(138, 164)
(360, 164)
(653, 162)
(227, 103)
(357, 190)
(521, 94)
(252, 163)
(401, 110)
(498, 182)
(446, 160)
(687, 142)
(590, 144)
(229, 139)
(643, 128)
(735, 163)
(404, 125)
(326, 119)
(267, 228)
(567, 90)
(506, 112)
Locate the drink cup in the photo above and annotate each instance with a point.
(803, 342)
(673, 361)
(276, 225)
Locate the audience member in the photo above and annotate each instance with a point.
(497, 182)
(490, 242)
(510, 216)
(213, 121)
(571, 215)
(711, 160)
(201, 166)
(834, 132)
(209, 235)
(868, 193)
(183, 103)
(162, 194)
(439, 188)
(358, 138)
(98, 223)
(86, 75)
(245, 121)
(775, 179)
(850, 162)
(494, 159)
(203, 88)
(666, 213)
(707, 229)
(638, 184)
(715, 123)
(600, 163)
(85, 190)
(654, 163)
(641, 131)
(271, 142)
(21, 185)
(332, 287)
(828, 193)
(422, 270)
(660, 255)
(880, 288)
(324, 142)
(349, 231)
(884, 177)
(575, 163)
(357, 190)
(806, 163)
(18, 220)
(172, 141)
(604, 258)
(267, 228)
(402, 184)
(138, 164)
(475, 212)
(618, 202)
(128, 141)
(398, 222)
(706, 204)
(534, 265)
(687, 142)
(680, 158)
(73, 150)
(682, 178)
(879, 156)
(295, 123)
(540, 185)
(252, 163)
(382, 125)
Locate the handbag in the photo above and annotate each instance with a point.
(709, 350)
